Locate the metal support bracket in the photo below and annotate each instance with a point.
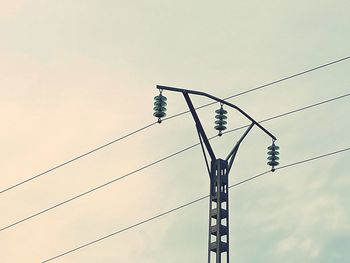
(230, 158)
(218, 100)
(199, 126)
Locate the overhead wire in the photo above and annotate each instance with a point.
(168, 118)
(76, 158)
(161, 160)
(295, 111)
(263, 86)
(193, 202)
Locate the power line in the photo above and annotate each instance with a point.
(76, 158)
(265, 85)
(158, 161)
(295, 111)
(193, 202)
(98, 187)
(168, 118)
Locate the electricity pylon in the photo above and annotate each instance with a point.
(218, 169)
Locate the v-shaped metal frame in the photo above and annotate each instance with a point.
(218, 169)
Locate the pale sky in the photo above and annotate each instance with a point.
(77, 74)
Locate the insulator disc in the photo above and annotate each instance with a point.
(221, 117)
(221, 122)
(220, 127)
(273, 158)
(160, 103)
(159, 114)
(273, 153)
(273, 163)
(160, 98)
(159, 108)
(273, 147)
(221, 111)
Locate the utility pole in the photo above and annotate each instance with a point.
(218, 169)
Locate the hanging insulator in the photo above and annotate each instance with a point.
(220, 120)
(273, 156)
(160, 107)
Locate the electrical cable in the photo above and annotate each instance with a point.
(158, 161)
(168, 118)
(76, 158)
(192, 202)
(263, 86)
(296, 110)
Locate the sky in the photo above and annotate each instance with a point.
(77, 74)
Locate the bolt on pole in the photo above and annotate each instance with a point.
(218, 169)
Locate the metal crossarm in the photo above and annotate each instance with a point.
(218, 100)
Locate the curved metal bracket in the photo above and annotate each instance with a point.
(186, 91)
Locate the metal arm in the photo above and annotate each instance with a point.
(240, 140)
(233, 153)
(205, 155)
(218, 100)
(199, 126)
